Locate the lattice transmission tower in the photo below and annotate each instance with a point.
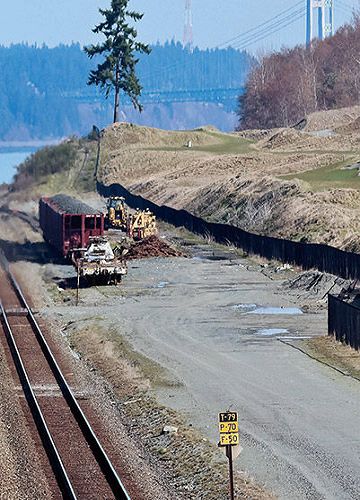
(188, 40)
(320, 13)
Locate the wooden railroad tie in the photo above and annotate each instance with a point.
(16, 311)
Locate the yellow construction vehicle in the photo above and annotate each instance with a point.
(141, 224)
(117, 214)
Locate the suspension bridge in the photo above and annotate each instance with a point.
(316, 16)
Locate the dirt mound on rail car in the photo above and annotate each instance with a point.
(152, 247)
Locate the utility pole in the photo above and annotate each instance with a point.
(324, 11)
(188, 41)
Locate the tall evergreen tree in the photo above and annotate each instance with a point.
(117, 71)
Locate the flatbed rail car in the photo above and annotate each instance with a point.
(68, 224)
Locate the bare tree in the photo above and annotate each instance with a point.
(287, 85)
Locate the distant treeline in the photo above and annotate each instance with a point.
(289, 84)
(41, 88)
(171, 67)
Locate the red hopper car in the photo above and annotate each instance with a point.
(67, 223)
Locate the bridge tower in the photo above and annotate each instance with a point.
(324, 10)
(188, 28)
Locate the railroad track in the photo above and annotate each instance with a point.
(78, 466)
(30, 220)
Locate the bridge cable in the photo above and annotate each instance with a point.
(261, 32)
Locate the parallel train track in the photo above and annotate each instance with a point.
(78, 460)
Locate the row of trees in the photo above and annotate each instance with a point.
(41, 88)
(120, 53)
(287, 85)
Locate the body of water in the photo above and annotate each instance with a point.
(9, 158)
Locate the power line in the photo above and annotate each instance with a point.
(274, 28)
(280, 28)
(259, 33)
(256, 28)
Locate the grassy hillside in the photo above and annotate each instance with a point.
(282, 182)
(340, 175)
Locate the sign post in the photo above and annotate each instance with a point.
(229, 440)
(78, 284)
(231, 471)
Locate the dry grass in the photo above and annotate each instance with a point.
(220, 184)
(328, 350)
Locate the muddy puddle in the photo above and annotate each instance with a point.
(292, 311)
(211, 257)
(162, 284)
(245, 308)
(267, 310)
(269, 332)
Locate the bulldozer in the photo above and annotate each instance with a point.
(117, 214)
(141, 224)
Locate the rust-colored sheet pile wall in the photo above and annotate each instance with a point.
(152, 247)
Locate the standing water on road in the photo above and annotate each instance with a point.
(277, 310)
(267, 310)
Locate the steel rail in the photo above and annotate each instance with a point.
(99, 453)
(52, 452)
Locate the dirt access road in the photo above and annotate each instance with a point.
(205, 320)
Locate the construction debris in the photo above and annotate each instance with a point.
(315, 285)
(152, 247)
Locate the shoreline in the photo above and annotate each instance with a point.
(8, 146)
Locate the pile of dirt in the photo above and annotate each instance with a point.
(255, 134)
(290, 139)
(353, 126)
(152, 247)
(331, 119)
(282, 137)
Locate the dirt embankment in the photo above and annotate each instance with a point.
(332, 119)
(257, 181)
(301, 184)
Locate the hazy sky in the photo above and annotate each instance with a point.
(215, 21)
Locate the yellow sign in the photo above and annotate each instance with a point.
(229, 428)
(226, 427)
(229, 416)
(229, 439)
